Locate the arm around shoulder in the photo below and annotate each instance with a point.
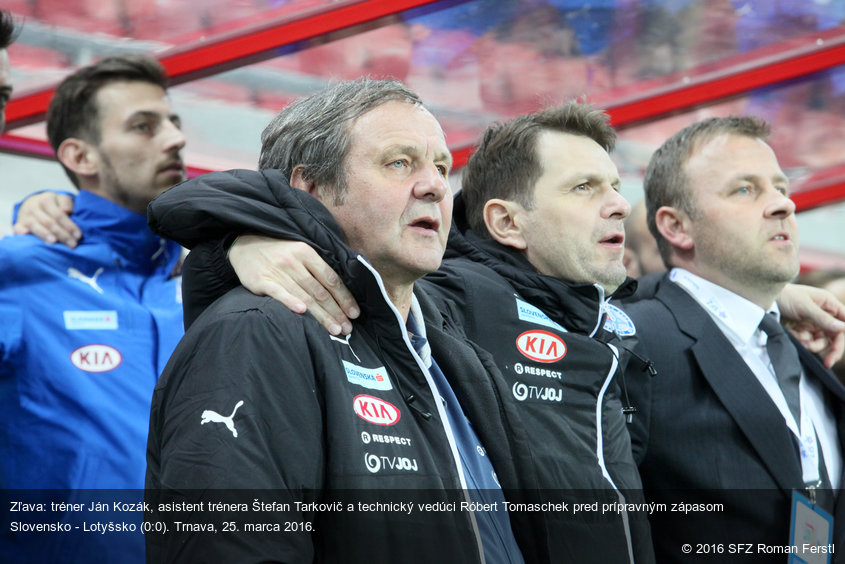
(47, 216)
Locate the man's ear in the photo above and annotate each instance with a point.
(79, 156)
(675, 226)
(299, 180)
(503, 219)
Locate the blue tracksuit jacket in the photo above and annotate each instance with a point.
(84, 335)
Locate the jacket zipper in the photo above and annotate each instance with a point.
(438, 404)
(600, 448)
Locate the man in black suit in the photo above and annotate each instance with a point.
(715, 426)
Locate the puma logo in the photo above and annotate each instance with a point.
(209, 416)
(91, 281)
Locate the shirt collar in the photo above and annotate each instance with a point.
(731, 311)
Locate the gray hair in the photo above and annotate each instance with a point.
(666, 183)
(314, 131)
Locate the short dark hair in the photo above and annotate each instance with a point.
(74, 112)
(314, 131)
(8, 30)
(505, 164)
(665, 182)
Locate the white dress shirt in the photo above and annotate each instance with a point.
(739, 321)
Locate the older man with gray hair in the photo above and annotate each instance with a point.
(259, 398)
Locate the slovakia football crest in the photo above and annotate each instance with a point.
(618, 322)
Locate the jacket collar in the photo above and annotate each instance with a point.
(125, 231)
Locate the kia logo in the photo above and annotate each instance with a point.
(96, 358)
(541, 346)
(375, 410)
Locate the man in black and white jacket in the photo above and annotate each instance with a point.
(258, 398)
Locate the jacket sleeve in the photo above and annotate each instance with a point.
(236, 419)
(206, 276)
(213, 205)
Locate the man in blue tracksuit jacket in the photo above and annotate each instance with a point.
(85, 332)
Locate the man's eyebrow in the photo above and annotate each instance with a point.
(144, 114)
(780, 178)
(410, 149)
(586, 177)
(415, 150)
(153, 114)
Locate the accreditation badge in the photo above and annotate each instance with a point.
(811, 532)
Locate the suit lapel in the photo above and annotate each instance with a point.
(737, 388)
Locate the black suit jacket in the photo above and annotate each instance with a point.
(708, 433)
